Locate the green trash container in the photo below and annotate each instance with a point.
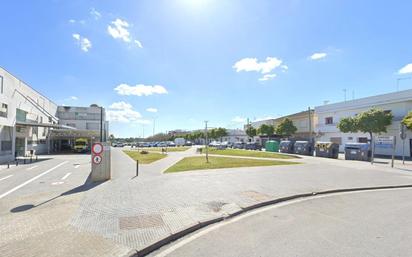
(272, 146)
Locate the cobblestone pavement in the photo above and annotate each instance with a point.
(55, 217)
(139, 211)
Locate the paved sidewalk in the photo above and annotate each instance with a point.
(137, 212)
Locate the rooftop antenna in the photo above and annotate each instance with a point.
(344, 92)
(399, 79)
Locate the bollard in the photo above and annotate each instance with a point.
(31, 159)
(24, 160)
(37, 158)
(137, 168)
(17, 162)
(8, 165)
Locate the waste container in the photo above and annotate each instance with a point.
(358, 151)
(327, 149)
(304, 147)
(272, 146)
(286, 146)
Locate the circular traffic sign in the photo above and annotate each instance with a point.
(97, 159)
(97, 148)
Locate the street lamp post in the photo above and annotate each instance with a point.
(206, 143)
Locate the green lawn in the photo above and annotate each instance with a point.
(145, 158)
(169, 149)
(250, 153)
(199, 163)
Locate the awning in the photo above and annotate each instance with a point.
(44, 125)
(73, 133)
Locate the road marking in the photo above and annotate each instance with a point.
(66, 176)
(32, 179)
(6, 177)
(76, 166)
(35, 166)
(57, 183)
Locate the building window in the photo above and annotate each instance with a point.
(3, 110)
(362, 139)
(350, 138)
(328, 120)
(21, 115)
(1, 84)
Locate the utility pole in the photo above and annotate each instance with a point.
(101, 123)
(154, 125)
(310, 125)
(206, 143)
(344, 92)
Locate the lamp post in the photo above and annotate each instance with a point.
(206, 143)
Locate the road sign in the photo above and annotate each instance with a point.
(385, 142)
(97, 159)
(97, 148)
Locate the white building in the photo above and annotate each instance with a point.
(328, 116)
(235, 135)
(26, 117)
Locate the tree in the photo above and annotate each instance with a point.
(266, 130)
(251, 131)
(407, 121)
(286, 128)
(373, 121)
(221, 132)
(111, 138)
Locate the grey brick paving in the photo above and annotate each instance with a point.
(185, 199)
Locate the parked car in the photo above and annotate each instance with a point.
(188, 143)
(162, 144)
(238, 145)
(253, 146)
(171, 144)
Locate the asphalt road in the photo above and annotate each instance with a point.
(374, 223)
(48, 175)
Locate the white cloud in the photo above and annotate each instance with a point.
(406, 69)
(317, 56)
(120, 106)
(284, 68)
(143, 121)
(140, 90)
(72, 21)
(252, 64)
(239, 119)
(119, 30)
(123, 112)
(267, 77)
(151, 109)
(83, 42)
(138, 43)
(95, 14)
(74, 98)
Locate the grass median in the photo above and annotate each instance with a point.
(250, 153)
(199, 163)
(145, 158)
(169, 149)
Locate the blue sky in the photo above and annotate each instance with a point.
(216, 60)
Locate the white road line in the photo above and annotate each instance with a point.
(66, 176)
(31, 180)
(33, 167)
(76, 166)
(6, 177)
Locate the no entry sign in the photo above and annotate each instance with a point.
(97, 148)
(97, 159)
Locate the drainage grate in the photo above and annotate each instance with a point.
(141, 221)
(255, 196)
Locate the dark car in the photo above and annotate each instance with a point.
(253, 146)
(239, 145)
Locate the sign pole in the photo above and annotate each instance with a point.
(393, 151)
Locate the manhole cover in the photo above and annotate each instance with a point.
(215, 205)
(141, 221)
(255, 196)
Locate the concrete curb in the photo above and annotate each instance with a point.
(173, 237)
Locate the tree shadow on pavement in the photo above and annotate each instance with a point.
(82, 188)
